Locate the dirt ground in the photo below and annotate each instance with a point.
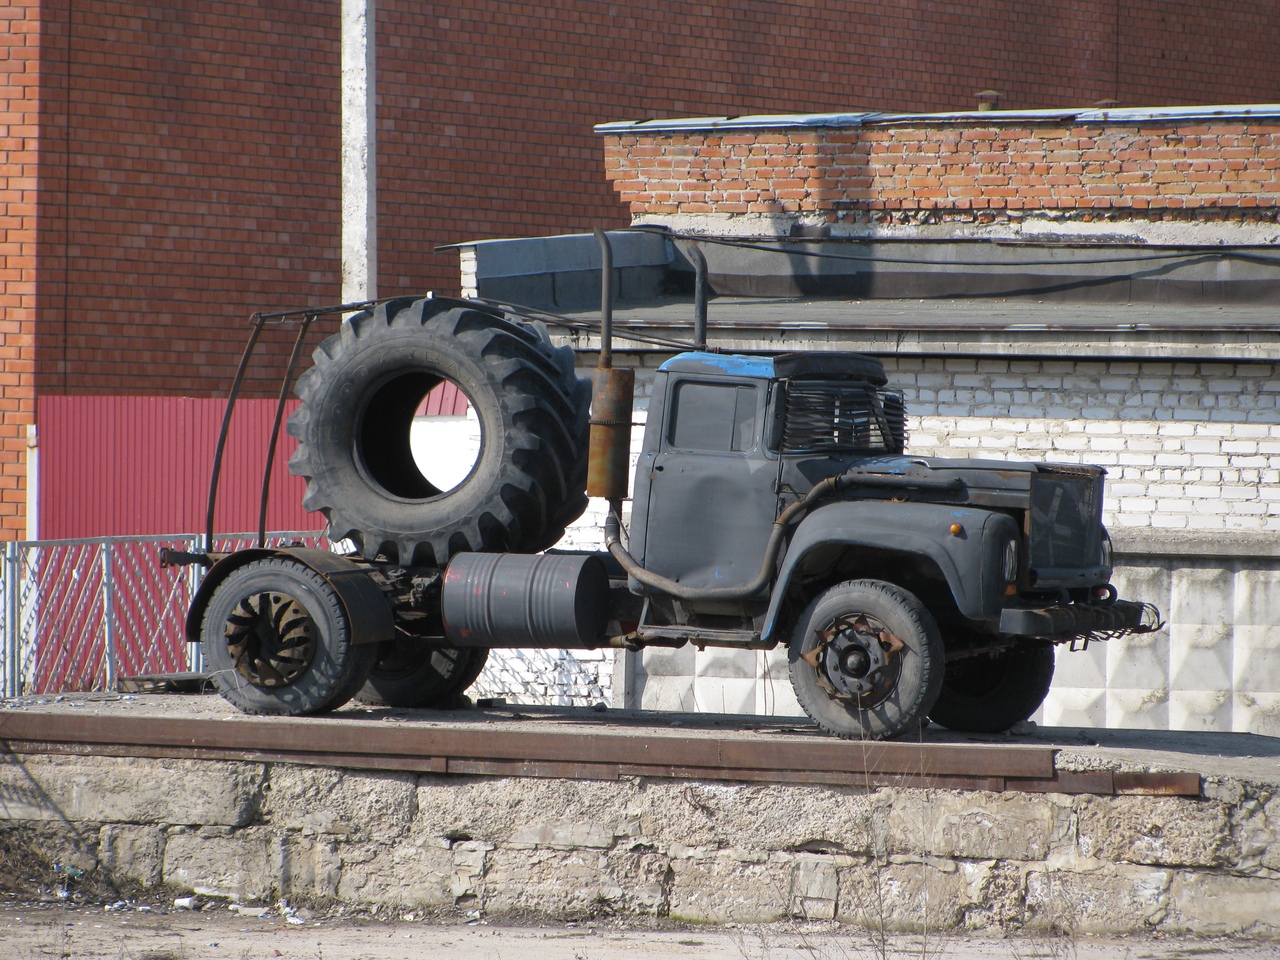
(71, 932)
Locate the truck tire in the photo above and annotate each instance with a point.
(991, 694)
(358, 404)
(866, 660)
(412, 674)
(277, 641)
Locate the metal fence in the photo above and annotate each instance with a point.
(78, 614)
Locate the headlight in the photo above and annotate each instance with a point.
(1009, 565)
(1106, 551)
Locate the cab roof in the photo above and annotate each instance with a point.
(809, 365)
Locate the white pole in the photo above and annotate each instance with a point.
(359, 153)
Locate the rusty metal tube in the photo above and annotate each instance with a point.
(699, 295)
(611, 399)
(610, 438)
(606, 299)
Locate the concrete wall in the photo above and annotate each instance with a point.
(887, 859)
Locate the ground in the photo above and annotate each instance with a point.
(93, 932)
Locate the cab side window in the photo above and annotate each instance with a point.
(713, 417)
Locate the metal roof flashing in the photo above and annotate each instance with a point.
(1126, 115)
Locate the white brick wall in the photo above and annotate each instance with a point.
(551, 677)
(1187, 446)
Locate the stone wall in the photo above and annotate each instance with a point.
(888, 859)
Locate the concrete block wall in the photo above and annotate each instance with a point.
(892, 858)
(1215, 666)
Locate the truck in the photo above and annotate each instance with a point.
(774, 503)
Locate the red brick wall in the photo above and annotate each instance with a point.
(850, 174)
(188, 150)
(188, 177)
(19, 155)
(487, 107)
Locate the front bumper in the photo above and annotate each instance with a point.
(1068, 621)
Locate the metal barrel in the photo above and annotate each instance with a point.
(517, 600)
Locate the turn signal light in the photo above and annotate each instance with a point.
(956, 529)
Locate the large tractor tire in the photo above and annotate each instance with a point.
(358, 405)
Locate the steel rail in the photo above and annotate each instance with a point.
(499, 749)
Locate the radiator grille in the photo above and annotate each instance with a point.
(825, 416)
(1066, 521)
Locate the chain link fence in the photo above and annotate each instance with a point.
(78, 614)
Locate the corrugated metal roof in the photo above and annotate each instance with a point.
(139, 466)
(871, 118)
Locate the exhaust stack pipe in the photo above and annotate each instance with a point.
(611, 401)
(699, 293)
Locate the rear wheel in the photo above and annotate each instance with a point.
(991, 694)
(866, 660)
(277, 641)
(411, 674)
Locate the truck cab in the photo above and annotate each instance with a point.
(1003, 559)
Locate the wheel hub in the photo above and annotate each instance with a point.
(858, 659)
(855, 662)
(271, 639)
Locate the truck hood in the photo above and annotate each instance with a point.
(996, 483)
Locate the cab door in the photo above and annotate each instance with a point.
(712, 486)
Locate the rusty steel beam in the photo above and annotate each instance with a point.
(317, 737)
(1158, 784)
(466, 748)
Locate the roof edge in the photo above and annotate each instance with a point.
(1123, 115)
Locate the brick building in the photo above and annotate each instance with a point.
(169, 168)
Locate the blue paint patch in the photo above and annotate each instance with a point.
(729, 364)
(894, 466)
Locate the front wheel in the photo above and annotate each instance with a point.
(277, 641)
(991, 694)
(866, 660)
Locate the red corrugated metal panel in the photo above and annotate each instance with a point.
(444, 400)
(139, 466)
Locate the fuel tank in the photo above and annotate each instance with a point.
(518, 600)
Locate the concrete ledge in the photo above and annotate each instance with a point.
(1230, 544)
